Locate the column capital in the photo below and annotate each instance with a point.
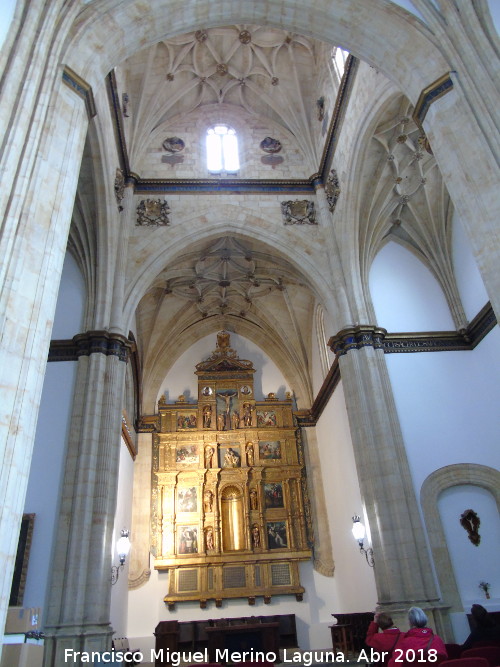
(90, 342)
(356, 337)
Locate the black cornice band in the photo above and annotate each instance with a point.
(357, 337)
(81, 88)
(429, 95)
(91, 342)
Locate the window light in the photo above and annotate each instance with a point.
(222, 149)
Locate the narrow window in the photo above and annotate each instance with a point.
(339, 57)
(222, 150)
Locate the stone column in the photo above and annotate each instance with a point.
(403, 573)
(33, 234)
(80, 589)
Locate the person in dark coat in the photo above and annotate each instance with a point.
(486, 629)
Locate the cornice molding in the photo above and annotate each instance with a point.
(81, 88)
(310, 417)
(429, 95)
(357, 337)
(127, 436)
(91, 342)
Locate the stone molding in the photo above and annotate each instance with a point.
(441, 479)
(91, 342)
(354, 338)
(81, 88)
(357, 337)
(138, 581)
(429, 95)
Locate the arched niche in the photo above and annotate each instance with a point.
(437, 482)
(233, 519)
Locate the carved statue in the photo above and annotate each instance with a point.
(231, 459)
(207, 416)
(253, 499)
(227, 398)
(249, 453)
(209, 455)
(221, 421)
(209, 539)
(208, 498)
(247, 414)
(255, 536)
(236, 419)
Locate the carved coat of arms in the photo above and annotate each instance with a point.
(151, 212)
(332, 190)
(119, 188)
(299, 212)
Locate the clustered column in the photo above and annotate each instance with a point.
(80, 590)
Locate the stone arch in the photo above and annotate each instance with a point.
(410, 56)
(214, 226)
(441, 479)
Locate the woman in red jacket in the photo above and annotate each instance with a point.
(385, 641)
(420, 646)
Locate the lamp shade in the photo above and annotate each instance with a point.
(358, 530)
(123, 545)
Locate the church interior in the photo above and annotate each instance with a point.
(249, 305)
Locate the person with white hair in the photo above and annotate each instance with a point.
(419, 645)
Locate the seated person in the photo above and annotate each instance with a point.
(386, 640)
(486, 629)
(414, 647)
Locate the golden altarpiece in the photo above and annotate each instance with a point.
(230, 511)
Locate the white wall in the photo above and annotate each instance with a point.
(123, 519)
(469, 281)
(405, 294)
(182, 380)
(343, 500)
(447, 404)
(5, 18)
(70, 301)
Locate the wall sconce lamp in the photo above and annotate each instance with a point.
(358, 530)
(122, 547)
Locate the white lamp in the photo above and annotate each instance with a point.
(359, 532)
(122, 547)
